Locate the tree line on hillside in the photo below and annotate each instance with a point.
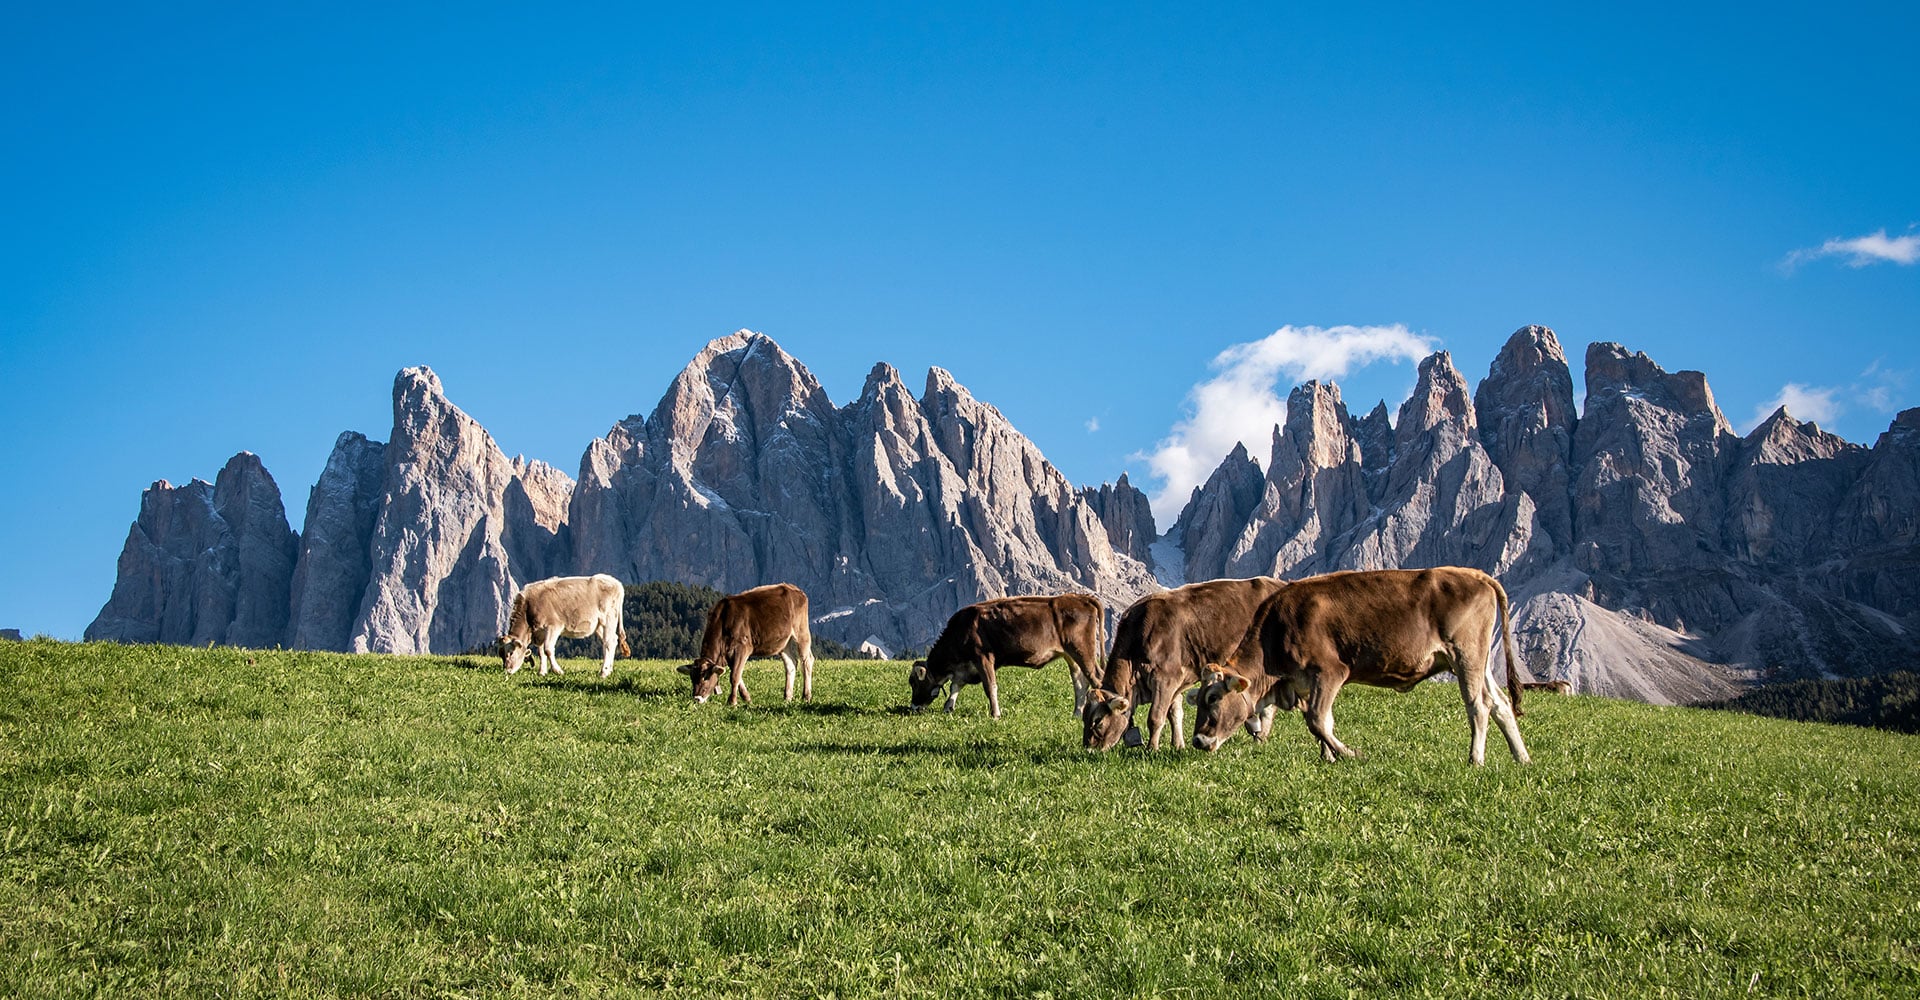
(665, 621)
(1885, 701)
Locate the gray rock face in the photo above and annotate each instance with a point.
(890, 513)
(1127, 515)
(1444, 501)
(1215, 516)
(1653, 453)
(451, 506)
(1315, 491)
(1436, 499)
(331, 575)
(205, 563)
(1525, 412)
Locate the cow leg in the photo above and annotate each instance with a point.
(609, 632)
(806, 666)
(1080, 667)
(1166, 703)
(954, 684)
(548, 641)
(991, 679)
(786, 660)
(1319, 714)
(1082, 689)
(1484, 700)
(737, 681)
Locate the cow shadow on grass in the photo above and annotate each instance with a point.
(592, 686)
(971, 755)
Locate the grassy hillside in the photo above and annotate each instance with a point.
(181, 822)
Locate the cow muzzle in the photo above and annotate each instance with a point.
(1207, 743)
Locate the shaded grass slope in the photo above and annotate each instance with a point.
(183, 822)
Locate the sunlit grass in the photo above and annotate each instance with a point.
(186, 822)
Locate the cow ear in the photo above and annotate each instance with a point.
(1118, 703)
(1240, 684)
(919, 670)
(685, 668)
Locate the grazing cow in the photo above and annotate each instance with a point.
(1392, 628)
(764, 621)
(1551, 687)
(575, 606)
(1011, 631)
(1162, 642)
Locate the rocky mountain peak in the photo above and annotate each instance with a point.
(1527, 420)
(1317, 432)
(1440, 396)
(1782, 440)
(1615, 372)
(205, 563)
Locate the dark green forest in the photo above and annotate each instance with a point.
(665, 621)
(1887, 701)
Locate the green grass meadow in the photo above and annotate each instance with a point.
(218, 822)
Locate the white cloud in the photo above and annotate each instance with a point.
(1093, 425)
(1803, 402)
(1240, 403)
(1874, 248)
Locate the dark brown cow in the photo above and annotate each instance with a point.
(1160, 647)
(1390, 628)
(764, 621)
(1011, 631)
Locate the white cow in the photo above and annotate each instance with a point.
(573, 606)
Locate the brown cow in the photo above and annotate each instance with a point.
(1011, 631)
(545, 610)
(1161, 645)
(1391, 628)
(764, 621)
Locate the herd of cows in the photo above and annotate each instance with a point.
(1252, 646)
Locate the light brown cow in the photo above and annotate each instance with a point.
(1011, 631)
(1160, 647)
(575, 606)
(1390, 628)
(764, 621)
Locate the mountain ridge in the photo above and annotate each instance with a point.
(1651, 551)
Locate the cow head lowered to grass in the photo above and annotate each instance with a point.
(923, 687)
(513, 652)
(705, 675)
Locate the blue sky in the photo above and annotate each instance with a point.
(227, 229)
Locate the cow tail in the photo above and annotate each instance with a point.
(1506, 640)
(1100, 644)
